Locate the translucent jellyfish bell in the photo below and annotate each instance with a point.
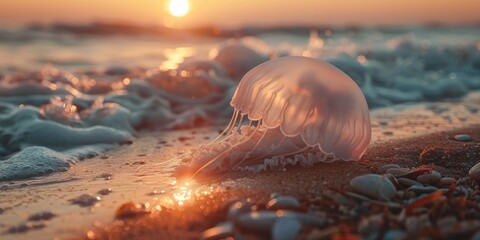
(293, 105)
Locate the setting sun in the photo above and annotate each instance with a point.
(178, 8)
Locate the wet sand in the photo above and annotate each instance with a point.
(171, 211)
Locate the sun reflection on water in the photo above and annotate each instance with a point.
(176, 56)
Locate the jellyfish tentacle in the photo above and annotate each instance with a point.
(225, 151)
(264, 156)
(228, 128)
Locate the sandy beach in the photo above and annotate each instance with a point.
(400, 136)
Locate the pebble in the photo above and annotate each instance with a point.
(447, 181)
(384, 168)
(283, 202)
(221, 231)
(85, 200)
(398, 171)
(446, 221)
(370, 225)
(287, 228)
(236, 209)
(415, 224)
(422, 189)
(475, 172)
(460, 230)
(430, 178)
(130, 210)
(408, 182)
(41, 216)
(476, 236)
(274, 195)
(395, 235)
(263, 221)
(374, 185)
(463, 137)
(24, 227)
(105, 191)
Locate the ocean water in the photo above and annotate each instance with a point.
(67, 95)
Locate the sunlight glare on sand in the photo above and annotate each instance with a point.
(178, 8)
(183, 194)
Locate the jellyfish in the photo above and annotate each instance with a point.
(238, 58)
(284, 107)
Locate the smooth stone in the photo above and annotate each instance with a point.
(384, 168)
(263, 221)
(274, 195)
(286, 228)
(375, 186)
(221, 231)
(416, 224)
(236, 209)
(476, 236)
(430, 178)
(130, 210)
(461, 229)
(370, 225)
(395, 235)
(422, 189)
(447, 181)
(463, 137)
(105, 191)
(446, 221)
(283, 202)
(408, 182)
(475, 172)
(398, 171)
(85, 200)
(41, 216)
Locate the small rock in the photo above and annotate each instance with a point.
(221, 231)
(475, 172)
(408, 182)
(24, 227)
(416, 224)
(375, 186)
(274, 195)
(369, 227)
(286, 228)
(395, 235)
(155, 192)
(430, 178)
(105, 191)
(460, 230)
(446, 221)
(41, 216)
(463, 137)
(283, 202)
(398, 171)
(446, 181)
(236, 209)
(85, 200)
(262, 221)
(130, 210)
(422, 189)
(476, 236)
(106, 176)
(183, 139)
(384, 168)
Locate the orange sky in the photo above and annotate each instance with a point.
(244, 12)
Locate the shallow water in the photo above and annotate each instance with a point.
(82, 94)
